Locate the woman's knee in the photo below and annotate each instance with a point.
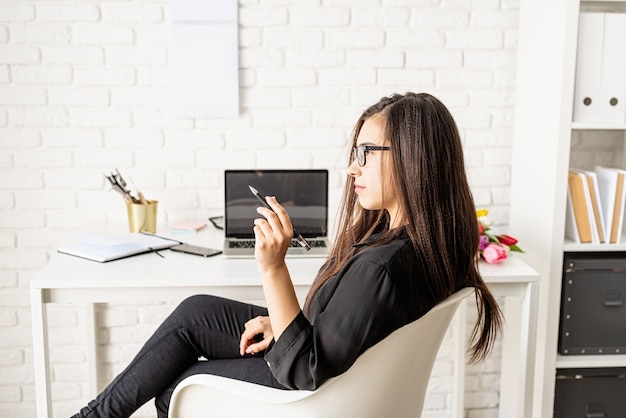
(215, 312)
(196, 303)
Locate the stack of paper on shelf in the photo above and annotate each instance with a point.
(595, 205)
(612, 189)
(590, 177)
(580, 221)
(105, 247)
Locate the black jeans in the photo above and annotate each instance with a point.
(201, 326)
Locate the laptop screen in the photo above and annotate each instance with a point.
(303, 193)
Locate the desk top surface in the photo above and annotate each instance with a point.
(180, 270)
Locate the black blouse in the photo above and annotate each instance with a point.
(378, 291)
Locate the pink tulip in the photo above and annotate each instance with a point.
(494, 253)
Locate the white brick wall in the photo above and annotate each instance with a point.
(83, 89)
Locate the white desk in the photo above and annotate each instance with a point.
(148, 277)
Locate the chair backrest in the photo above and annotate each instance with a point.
(389, 379)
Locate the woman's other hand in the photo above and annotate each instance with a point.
(257, 335)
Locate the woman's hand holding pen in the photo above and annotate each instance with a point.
(272, 240)
(257, 335)
(272, 235)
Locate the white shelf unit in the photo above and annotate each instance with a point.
(547, 48)
(571, 246)
(579, 362)
(613, 126)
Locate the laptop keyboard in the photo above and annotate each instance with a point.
(314, 243)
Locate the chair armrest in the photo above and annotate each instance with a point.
(243, 389)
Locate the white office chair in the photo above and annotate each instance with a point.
(388, 380)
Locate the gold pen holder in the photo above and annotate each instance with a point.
(142, 217)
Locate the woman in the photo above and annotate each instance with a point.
(407, 239)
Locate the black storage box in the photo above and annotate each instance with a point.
(593, 316)
(590, 393)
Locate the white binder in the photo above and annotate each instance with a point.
(587, 103)
(613, 84)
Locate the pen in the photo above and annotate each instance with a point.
(156, 252)
(296, 235)
(160, 236)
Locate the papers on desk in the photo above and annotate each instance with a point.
(187, 227)
(105, 247)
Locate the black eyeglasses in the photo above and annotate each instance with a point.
(359, 153)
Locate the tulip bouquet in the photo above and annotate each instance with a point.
(493, 248)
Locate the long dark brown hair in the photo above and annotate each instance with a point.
(428, 175)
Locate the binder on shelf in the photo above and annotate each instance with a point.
(571, 230)
(596, 205)
(613, 84)
(612, 191)
(587, 102)
(580, 223)
(618, 211)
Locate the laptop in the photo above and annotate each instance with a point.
(303, 193)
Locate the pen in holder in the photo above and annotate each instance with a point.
(142, 216)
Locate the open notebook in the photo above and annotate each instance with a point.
(106, 247)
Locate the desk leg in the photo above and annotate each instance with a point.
(527, 356)
(511, 370)
(41, 356)
(518, 352)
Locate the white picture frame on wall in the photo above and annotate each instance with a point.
(203, 59)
